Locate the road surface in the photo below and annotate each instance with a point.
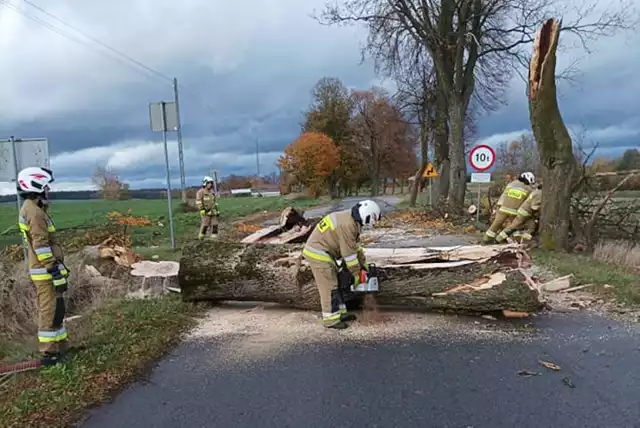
(279, 368)
(434, 379)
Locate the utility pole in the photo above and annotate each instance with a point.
(179, 132)
(166, 160)
(257, 159)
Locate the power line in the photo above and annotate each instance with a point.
(65, 34)
(104, 45)
(121, 57)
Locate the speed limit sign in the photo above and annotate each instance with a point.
(482, 157)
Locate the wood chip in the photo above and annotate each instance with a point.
(579, 287)
(511, 314)
(557, 284)
(550, 366)
(528, 373)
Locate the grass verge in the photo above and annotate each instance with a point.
(586, 270)
(121, 339)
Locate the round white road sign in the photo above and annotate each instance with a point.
(482, 157)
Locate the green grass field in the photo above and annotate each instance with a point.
(78, 216)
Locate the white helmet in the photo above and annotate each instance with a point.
(34, 180)
(206, 180)
(528, 178)
(369, 212)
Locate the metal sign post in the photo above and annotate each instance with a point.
(163, 118)
(481, 158)
(430, 172)
(17, 154)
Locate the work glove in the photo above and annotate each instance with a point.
(203, 213)
(59, 274)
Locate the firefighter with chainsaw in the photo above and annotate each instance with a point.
(524, 225)
(513, 196)
(208, 206)
(333, 251)
(46, 261)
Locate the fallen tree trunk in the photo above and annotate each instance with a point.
(470, 278)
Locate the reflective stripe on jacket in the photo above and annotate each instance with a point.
(335, 238)
(532, 205)
(38, 234)
(513, 196)
(205, 200)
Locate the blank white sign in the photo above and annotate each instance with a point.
(29, 152)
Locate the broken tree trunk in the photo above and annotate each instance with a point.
(552, 138)
(292, 228)
(470, 278)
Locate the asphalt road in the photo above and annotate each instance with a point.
(428, 381)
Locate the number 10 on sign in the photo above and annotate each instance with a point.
(482, 157)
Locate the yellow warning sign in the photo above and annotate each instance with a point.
(430, 172)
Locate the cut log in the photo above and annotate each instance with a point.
(141, 279)
(292, 228)
(461, 278)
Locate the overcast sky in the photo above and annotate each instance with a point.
(247, 68)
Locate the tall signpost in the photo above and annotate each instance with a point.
(481, 158)
(164, 117)
(430, 172)
(19, 153)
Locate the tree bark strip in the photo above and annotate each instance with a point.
(276, 273)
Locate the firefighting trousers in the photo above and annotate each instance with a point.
(521, 226)
(331, 298)
(208, 223)
(498, 222)
(52, 335)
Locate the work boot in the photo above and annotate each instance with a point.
(213, 237)
(348, 317)
(338, 326)
(51, 359)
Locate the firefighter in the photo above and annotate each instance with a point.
(513, 196)
(524, 224)
(333, 247)
(46, 261)
(206, 202)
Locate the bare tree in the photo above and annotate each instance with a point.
(475, 47)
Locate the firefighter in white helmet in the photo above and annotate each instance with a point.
(333, 246)
(513, 196)
(208, 206)
(45, 260)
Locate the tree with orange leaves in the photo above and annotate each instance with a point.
(310, 160)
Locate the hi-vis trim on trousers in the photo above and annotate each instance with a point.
(52, 336)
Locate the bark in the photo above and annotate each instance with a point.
(424, 278)
(458, 168)
(441, 146)
(554, 142)
(415, 188)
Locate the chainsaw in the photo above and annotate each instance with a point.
(368, 281)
